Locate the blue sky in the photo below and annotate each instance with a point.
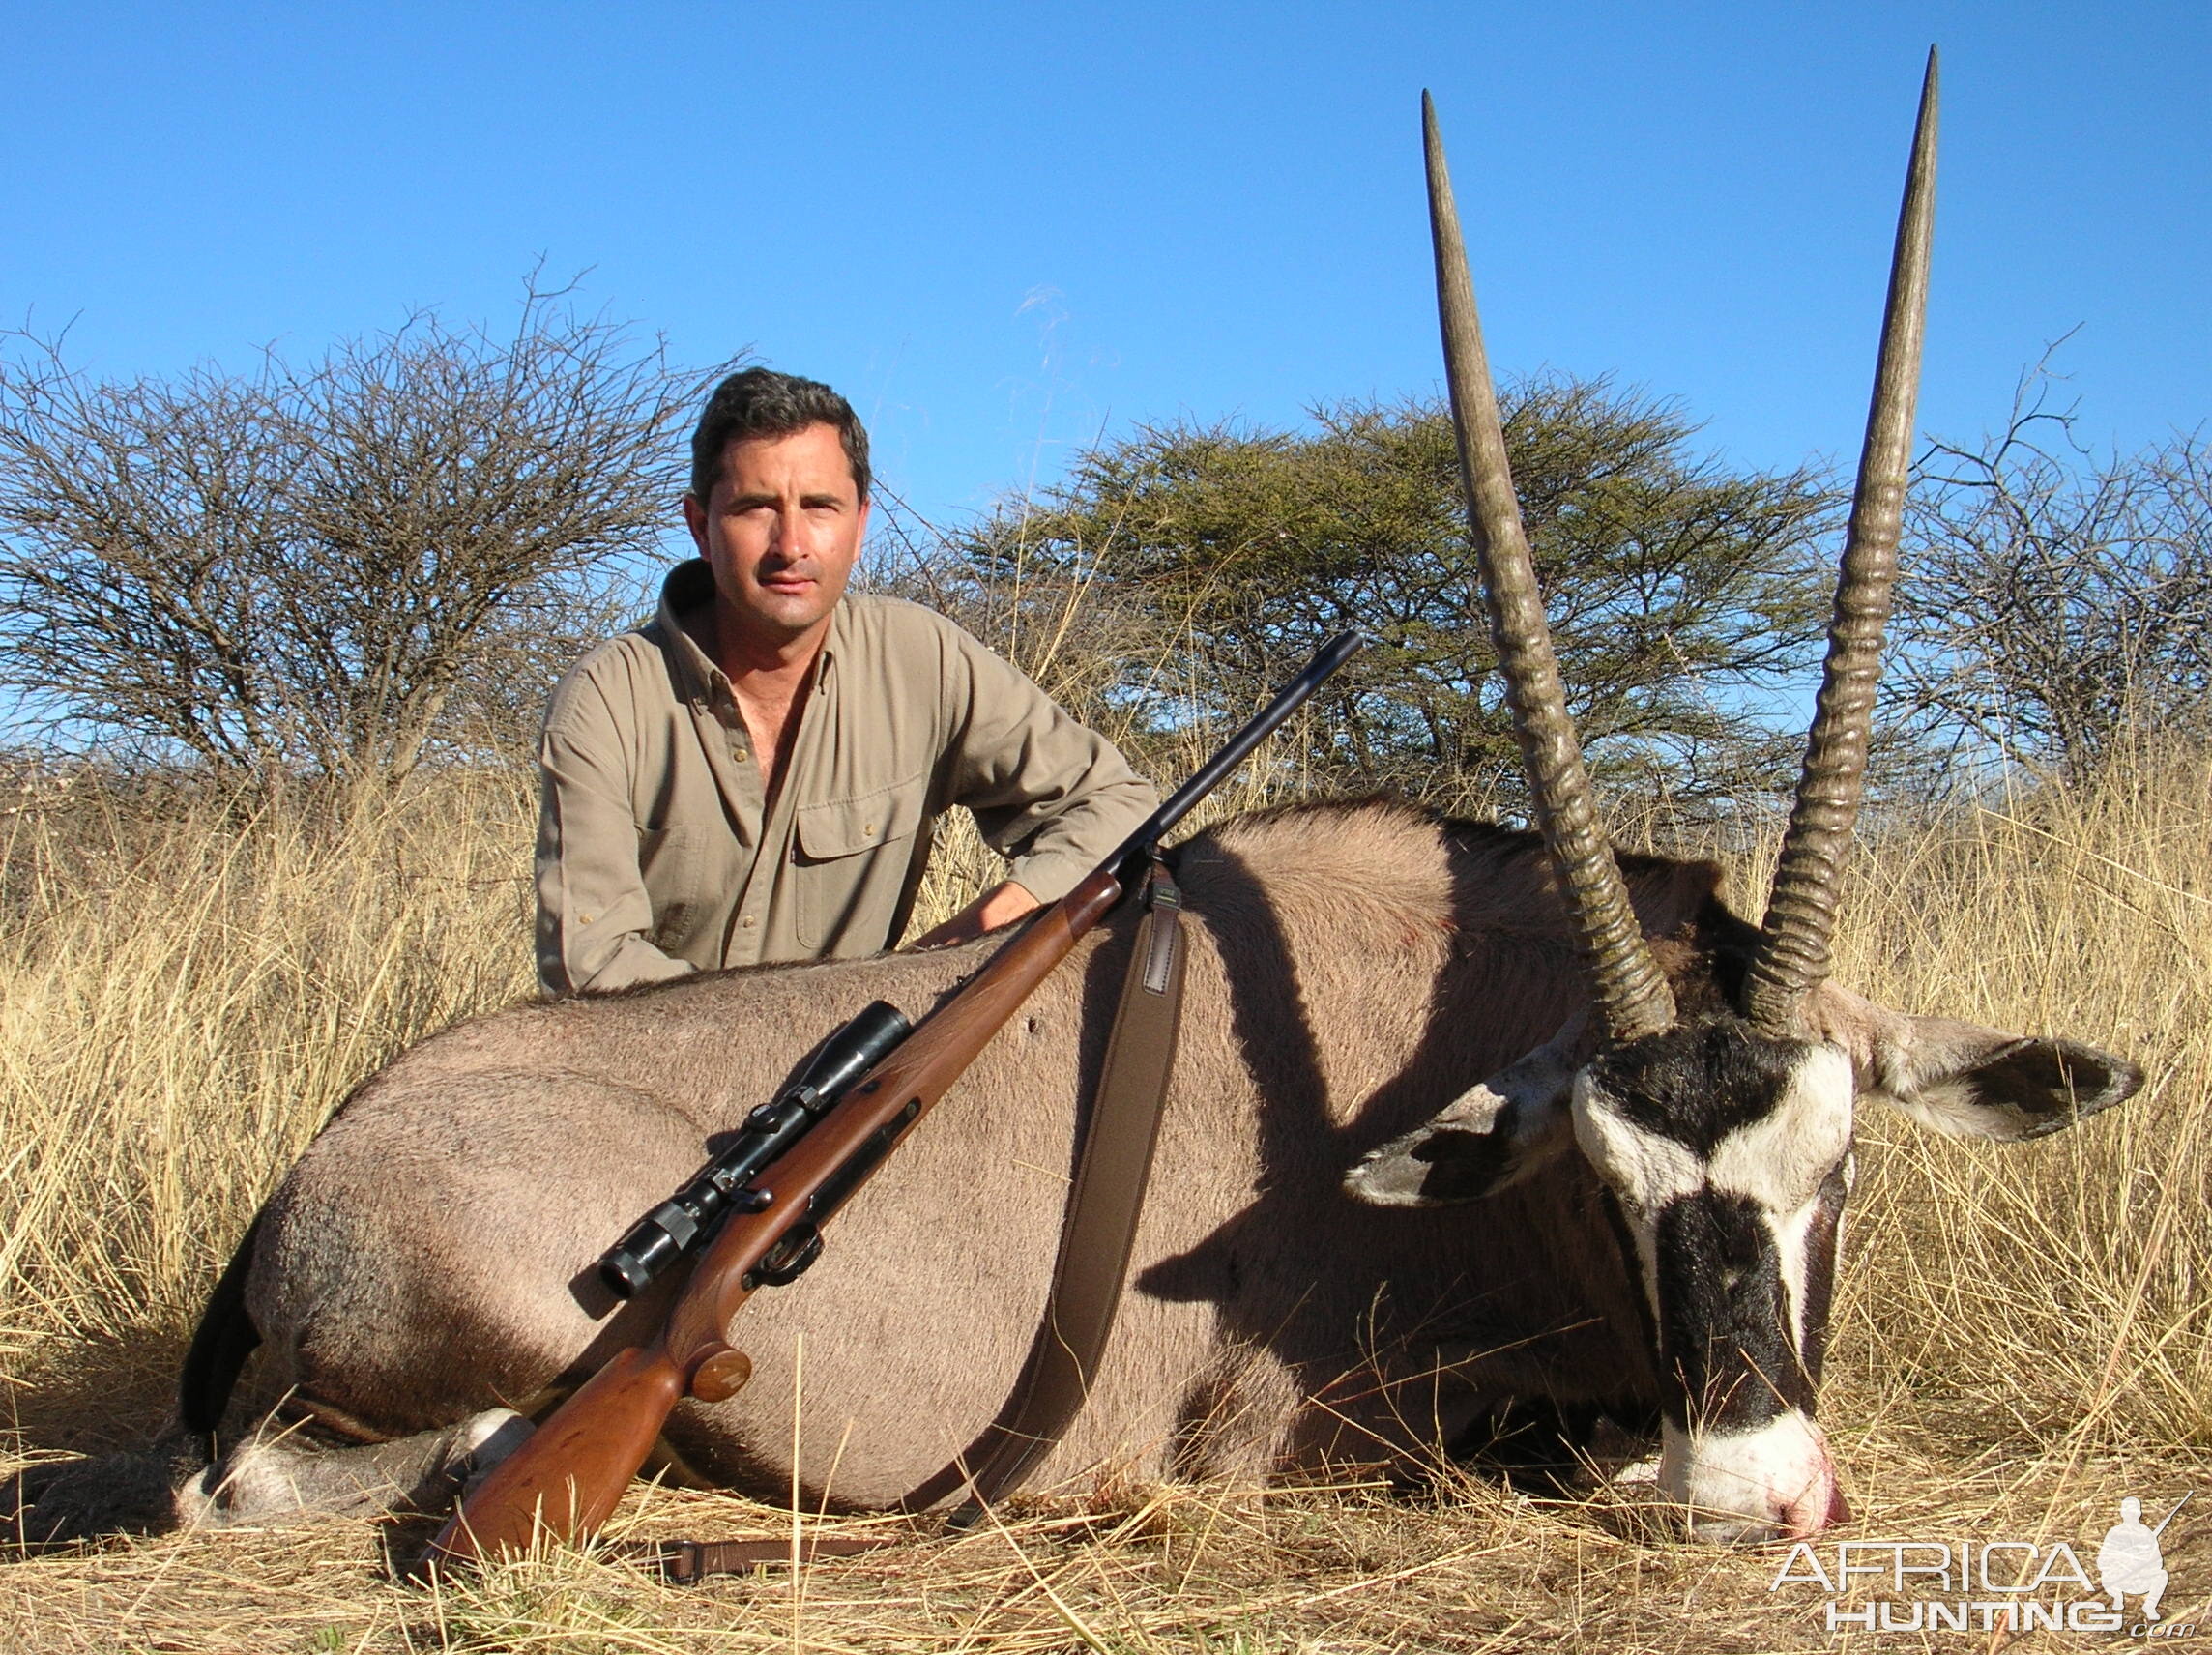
(1002, 229)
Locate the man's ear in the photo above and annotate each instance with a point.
(1490, 1137)
(1965, 1081)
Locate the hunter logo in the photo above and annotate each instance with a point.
(1990, 1585)
(2130, 1560)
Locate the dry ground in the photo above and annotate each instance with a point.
(187, 989)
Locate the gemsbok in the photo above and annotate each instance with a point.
(1462, 1115)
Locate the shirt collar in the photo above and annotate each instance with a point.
(691, 587)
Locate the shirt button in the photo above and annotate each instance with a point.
(870, 831)
(740, 754)
(749, 922)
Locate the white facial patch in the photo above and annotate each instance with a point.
(1645, 1168)
(1777, 1162)
(1750, 1485)
(1793, 1246)
(1781, 1160)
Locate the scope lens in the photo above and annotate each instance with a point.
(628, 1267)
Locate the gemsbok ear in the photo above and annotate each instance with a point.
(1490, 1138)
(1965, 1081)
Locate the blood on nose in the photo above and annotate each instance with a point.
(1839, 1508)
(1819, 1504)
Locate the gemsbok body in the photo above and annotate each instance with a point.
(1462, 1115)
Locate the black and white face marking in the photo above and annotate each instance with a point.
(1727, 1156)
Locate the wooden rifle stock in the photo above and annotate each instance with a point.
(568, 1476)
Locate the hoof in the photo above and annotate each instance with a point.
(282, 1479)
(89, 1499)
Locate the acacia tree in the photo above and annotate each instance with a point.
(329, 570)
(1679, 591)
(2054, 604)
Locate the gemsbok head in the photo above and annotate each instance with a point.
(1712, 1088)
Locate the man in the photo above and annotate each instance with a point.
(753, 776)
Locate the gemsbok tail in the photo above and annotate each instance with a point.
(225, 1337)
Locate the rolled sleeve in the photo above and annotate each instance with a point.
(595, 918)
(1051, 796)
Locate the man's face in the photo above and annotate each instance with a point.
(781, 530)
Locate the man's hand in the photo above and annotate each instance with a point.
(1000, 904)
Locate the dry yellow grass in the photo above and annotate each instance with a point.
(187, 991)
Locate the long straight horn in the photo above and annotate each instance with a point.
(1808, 879)
(1630, 990)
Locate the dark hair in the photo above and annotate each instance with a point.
(760, 402)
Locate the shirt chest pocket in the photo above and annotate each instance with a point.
(850, 862)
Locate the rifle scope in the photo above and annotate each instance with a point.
(682, 1223)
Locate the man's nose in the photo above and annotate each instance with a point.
(784, 536)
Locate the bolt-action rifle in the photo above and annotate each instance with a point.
(753, 1215)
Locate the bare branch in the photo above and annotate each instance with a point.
(2058, 603)
(332, 569)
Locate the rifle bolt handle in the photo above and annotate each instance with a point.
(722, 1376)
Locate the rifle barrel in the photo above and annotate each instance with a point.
(1293, 695)
(2172, 1515)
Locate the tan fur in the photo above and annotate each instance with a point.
(1352, 969)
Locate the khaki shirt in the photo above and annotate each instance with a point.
(656, 856)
